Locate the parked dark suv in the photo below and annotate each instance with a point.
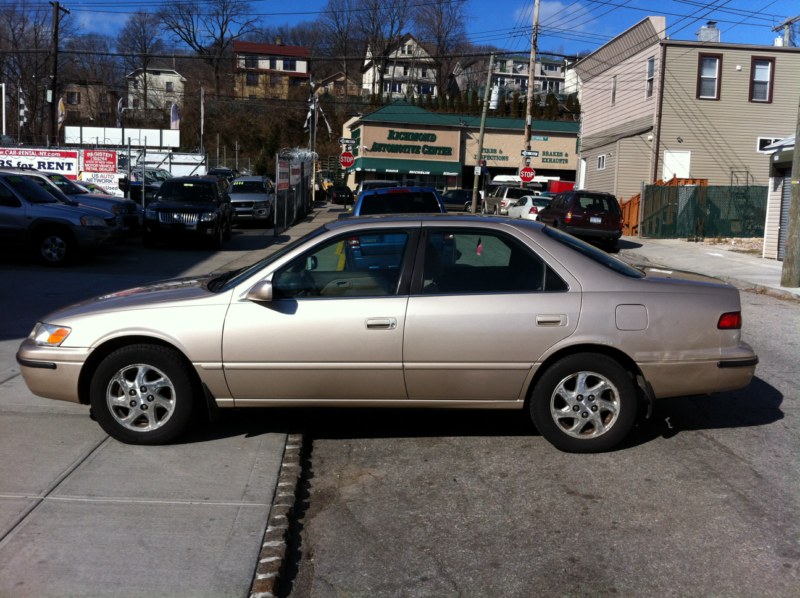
(197, 207)
(591, 215)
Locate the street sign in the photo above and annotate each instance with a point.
(346, 141)
(346, 159)
(530, 153)
(478, 170)
(526, 174)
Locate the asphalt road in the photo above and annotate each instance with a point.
(701, 501)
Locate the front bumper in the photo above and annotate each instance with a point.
(51, 372)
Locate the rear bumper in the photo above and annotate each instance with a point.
(733, 370)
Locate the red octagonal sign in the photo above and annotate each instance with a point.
(527, 174)
(346, 159)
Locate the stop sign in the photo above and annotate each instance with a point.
(346, 160)
(527, 174)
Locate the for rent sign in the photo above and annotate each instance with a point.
(62, 161)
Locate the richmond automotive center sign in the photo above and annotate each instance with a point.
(61, 161)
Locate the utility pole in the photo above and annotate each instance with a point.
(57, 9)
(790, 273)
(787, 29)
(531, 79)
(486, 95)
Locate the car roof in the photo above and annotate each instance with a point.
(253, 177)
(433, 218)
(393, 190)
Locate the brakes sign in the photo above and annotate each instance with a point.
(61, 161)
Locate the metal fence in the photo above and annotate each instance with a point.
(695, 212)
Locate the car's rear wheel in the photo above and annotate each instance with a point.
(584, 403)
(54, 247)
(142, 394)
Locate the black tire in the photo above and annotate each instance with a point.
(591, 419)
(54, 247)
(612, 246)
(147, 380)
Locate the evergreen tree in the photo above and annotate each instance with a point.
(551, 107)
(515, 105)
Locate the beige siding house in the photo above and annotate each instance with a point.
(708, 113)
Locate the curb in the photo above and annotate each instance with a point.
(269, 568)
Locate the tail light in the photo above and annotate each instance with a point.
(731, 320)
(533, 210)
(568, 217)
(354, 242)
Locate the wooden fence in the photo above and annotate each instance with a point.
(630, 207)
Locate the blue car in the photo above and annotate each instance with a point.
(398, 200)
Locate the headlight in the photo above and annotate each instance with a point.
(92, 221)
(208, 217)
(50, 335)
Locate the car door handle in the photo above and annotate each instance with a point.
(551, 320)
(381, 323)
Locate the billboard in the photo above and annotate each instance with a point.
(47, 160)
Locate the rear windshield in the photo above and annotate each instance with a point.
(593, 253)
(401, 202)
(597, 203)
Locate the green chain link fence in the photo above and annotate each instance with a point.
(695, 212)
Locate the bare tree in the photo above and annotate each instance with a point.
(337, 22)
(25, 37)
(380, 25)
(140, 41)
(209, 28)
(439, 25)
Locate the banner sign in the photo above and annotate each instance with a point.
(61, 161)
(99, 161)
(283, 175)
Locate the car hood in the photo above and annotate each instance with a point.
(157, 294)
(195, 206)
(249, 196)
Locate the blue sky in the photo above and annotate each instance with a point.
(565, 27)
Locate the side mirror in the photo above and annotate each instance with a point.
(261, 292)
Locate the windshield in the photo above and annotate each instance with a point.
(248, 187)
(28, 189)
(66, 185)
(186, 191)
(593, 253)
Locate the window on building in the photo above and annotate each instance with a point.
(763, 142)
(289, 64)
(136, 103)
(73, 98)
(393, 86)
(601, 162)
(169, 86)
(553, 68)
(136, 83)
(613, 90)
(251, 62)
(709, 75)
(426, 89)
(424, 73)
(651, 75)
(762, 74)
(252, 79)
(273, 63)
(405, 71)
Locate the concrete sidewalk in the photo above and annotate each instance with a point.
(746, 271)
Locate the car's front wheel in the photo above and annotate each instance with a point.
(54, 247)
(584, 403)
(142, 394)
